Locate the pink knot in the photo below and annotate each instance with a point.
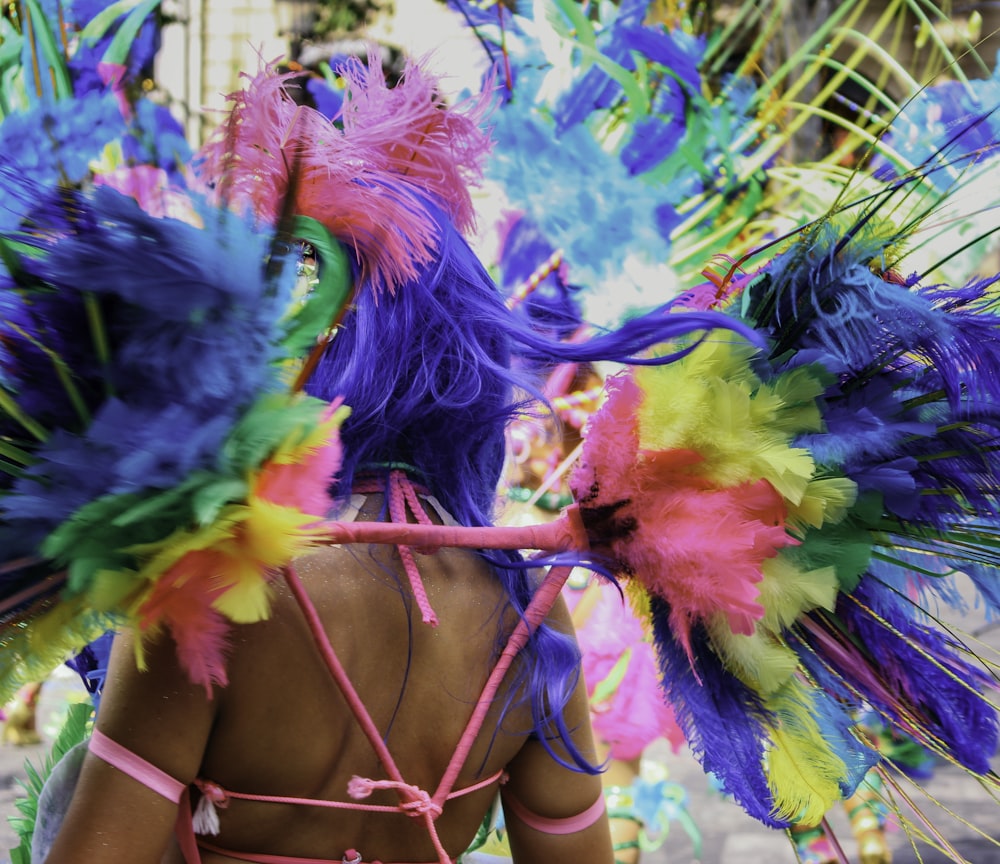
(360, 787)
(422, 803)
(213, 792)
(351, 856)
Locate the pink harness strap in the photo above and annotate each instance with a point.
(566, 825)
(415, 801)
(282, 859)
(136, 767)
(359, 787)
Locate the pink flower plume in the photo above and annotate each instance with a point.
(416, 134)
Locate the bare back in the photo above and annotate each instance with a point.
(282, 728)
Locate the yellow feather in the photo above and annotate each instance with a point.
(117, 589)
(759, 660)
(786, 591)
(29, 653)
(163, 554)
(271, 537)
(803, 773)
(638, 599)
(713, 403)
(825, 502)
(305, 440)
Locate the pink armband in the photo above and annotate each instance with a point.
(136, 767)
(567, 825)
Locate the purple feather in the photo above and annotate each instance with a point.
(720, 716)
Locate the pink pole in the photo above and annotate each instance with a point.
(564, 534)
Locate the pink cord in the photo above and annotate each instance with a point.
(564, 534)
(358, 707)
(401, 496)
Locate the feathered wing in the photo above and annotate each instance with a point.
(166, 457)
(808, 482)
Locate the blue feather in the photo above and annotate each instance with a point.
(923, 669)
(720, 716)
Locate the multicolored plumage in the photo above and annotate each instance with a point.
(774, 492)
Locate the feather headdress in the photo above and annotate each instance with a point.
(365, 178)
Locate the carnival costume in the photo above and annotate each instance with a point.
(812, 439)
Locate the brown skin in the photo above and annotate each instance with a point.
(281, 727)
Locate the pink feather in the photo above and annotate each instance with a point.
(603, 475)
(182, 600)
(702, 550)
(305, 484)
(438, 148)
(269, 148)
(699, 548)
(367, 183)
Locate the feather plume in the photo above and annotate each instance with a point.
(721, 717)
(367, 183)
(436, 147)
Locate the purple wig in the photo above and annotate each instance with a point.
(427, 373)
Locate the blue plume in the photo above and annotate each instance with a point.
(721, 717)
(921, 666)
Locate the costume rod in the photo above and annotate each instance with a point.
(564, 534)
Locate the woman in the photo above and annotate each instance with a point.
(427, 376)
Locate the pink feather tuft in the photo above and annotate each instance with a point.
(414, 133)
(182, 599)
(611, 447)
(701, 549)
(269, 148)
(305, 484)
(368, 183)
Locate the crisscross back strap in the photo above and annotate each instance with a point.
(416, 801)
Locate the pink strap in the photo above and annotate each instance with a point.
(359, 787)
(354, 702)
(539, 607)
(567, 533)
(273, 859)
(136, 767)
(567, 825)
(401, 497)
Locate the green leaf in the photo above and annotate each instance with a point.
(15, 453)
(121, 44)
(99, 25)
(75, 729)
(606, 688)
(582, 29)
(51, 50)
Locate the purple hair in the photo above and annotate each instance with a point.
(427, 373)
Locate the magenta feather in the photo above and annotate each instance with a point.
(367, 183)
(416, 134)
